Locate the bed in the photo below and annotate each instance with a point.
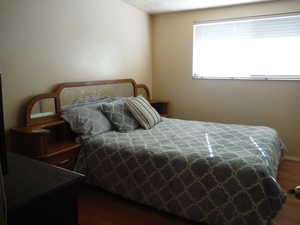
(220, 174)
(206, 172)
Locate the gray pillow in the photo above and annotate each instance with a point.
(86, 121)
(119, 115)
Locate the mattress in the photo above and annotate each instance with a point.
(220, 174)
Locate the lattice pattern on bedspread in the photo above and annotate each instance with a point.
(207, 172)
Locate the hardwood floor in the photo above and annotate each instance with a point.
(101, 208)
(289, 177)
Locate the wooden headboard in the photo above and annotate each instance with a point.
(46, 108)
(47, 137)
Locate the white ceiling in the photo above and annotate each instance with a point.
(162, 6)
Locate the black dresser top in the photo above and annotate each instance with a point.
(28, 180)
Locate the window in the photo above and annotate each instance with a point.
(250, 48)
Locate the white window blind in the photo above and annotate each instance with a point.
(250, 48)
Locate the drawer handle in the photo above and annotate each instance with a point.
(63, 162)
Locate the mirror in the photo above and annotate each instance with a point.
(70, 95)
(42, 108)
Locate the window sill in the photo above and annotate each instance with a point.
(245, 78)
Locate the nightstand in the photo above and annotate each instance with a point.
(161, 107)
(50, 142)
(39, 193)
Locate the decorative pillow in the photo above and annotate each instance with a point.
(144, 113)
(119, 115)
(86, 121)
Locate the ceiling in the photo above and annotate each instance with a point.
(163, 6)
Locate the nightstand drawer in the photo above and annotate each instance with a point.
(64, 159)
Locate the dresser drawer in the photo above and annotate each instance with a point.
(64, 159)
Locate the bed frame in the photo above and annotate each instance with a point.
(56, 96)
(46, 136)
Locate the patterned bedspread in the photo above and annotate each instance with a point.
(221, 174)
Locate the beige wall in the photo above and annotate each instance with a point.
(43, 43)
(46, 42)
(271, 103)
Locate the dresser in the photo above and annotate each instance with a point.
(40, 193)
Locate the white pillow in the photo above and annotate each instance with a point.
(143, 112)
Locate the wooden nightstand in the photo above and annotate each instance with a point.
(49, 142)
(161, 107)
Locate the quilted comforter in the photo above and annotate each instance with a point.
(220, 174)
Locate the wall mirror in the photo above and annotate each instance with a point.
(43, 108)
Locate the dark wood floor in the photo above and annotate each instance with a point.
(100, 208)
(289, 177)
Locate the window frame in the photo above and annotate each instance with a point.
(253, 77)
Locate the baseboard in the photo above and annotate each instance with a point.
(292, 158)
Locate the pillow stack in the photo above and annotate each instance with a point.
(143, 112)
(96, 116)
